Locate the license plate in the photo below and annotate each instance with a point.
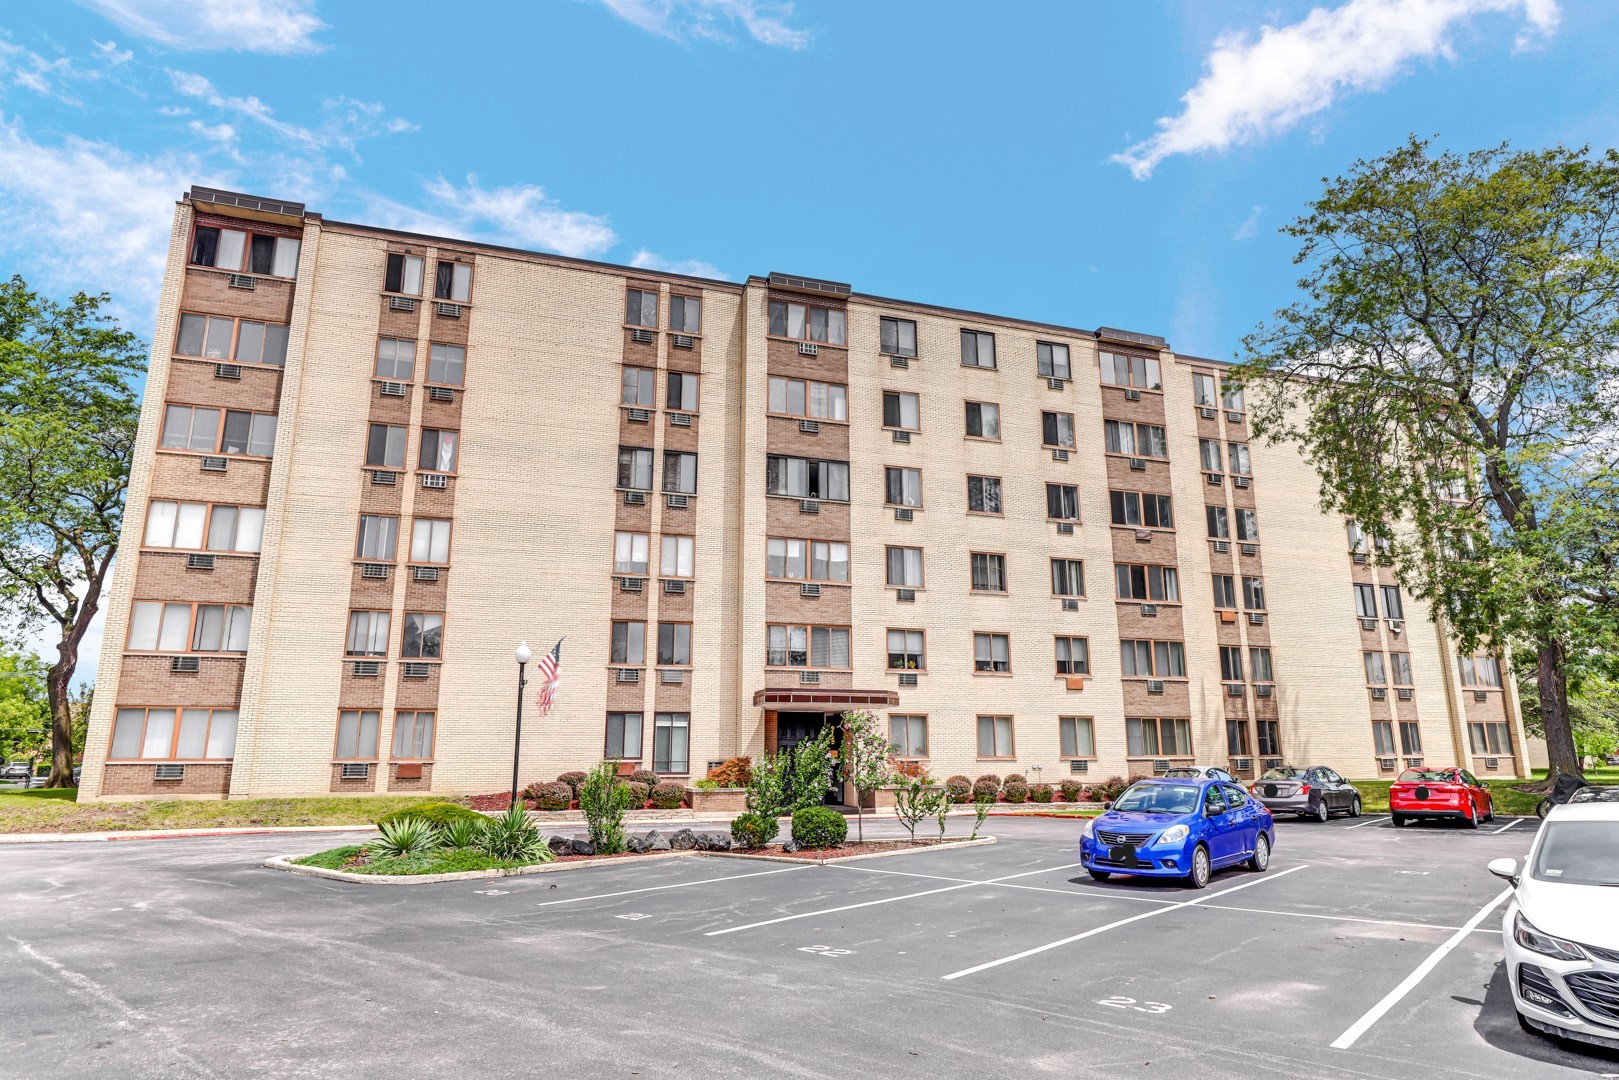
(1125, 854)
(1270, 791)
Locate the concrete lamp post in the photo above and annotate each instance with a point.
(523, 655)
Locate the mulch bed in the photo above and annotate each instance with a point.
(868, 847)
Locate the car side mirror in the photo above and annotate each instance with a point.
(1506, 869)
(1108, 805)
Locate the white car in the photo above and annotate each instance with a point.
(1561, 930)
(1202, 772)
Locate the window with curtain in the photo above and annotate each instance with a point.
(1410, 737)
(1132, 372)
(623, 736)
(1068, 577)
(992, 653)
(173, 734)
(396, 359)
(453, 282)
(1141, 510)
(1152, 659)
(430, 541)
(634, 468)
(640, 307)
(803, 478)
(446, 364)
(1392, 608)
(413, 736)
(902, 487)
(1073, 656)
(630, 552)
(356, 735)
(1052, 360)
(186, 427)
(908, 736)
(637, 388)
(1062, 502)
(984, 494)
(679, 472)
(1375, 672)
(1209, 453)
(897, 336)
(379, 538)
(1159, 584)
(1219, 523)
(988, 572)
(677, 557)
(806, 322)
(1365, 602)
(1400, 666)
(671, 738)
(995, 737)
(808, 398)
(1203, 390)
(904, 567)
(1259, 664)
(1225, 593)
(674, 643)
(1239, 459)
(628, 644)
(685, 314)
(1231, 663)
(901, 410)
(368, 633)
(1075, 737)
(189, 526)
(983, 420)
(385, 446)
(905, 650)
(403, 275)
(977, 349)
(1057, 429)
(1253, 593)
(438, 450)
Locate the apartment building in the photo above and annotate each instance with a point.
(371, 462)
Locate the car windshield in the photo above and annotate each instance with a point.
(1439, 776)
(1579, 853)
(1284, 772)
(1159, 799)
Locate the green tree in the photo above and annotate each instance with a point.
(864, 760)
(68, 415)
(1449, 371)
(24, 712)
(1593, 710)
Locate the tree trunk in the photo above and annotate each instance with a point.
(59, 682)
(1552, 681)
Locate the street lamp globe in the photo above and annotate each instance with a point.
(524, 654)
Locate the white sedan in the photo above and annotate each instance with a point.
(1202, 772)
(1561, 930)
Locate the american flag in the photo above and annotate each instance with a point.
(547, 671)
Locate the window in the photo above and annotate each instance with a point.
(674, 643)
(983, 420)
(906, 650)
(173, 734)
(1253, 593)
(356, 735)
(1136, 440)
(988, 572)
(808, 398)
(1203, 390)
(1057, 429)
(1225, 593)
(1152, 659)
(1068, 577)
(379, 538)
(676, 558)
(1158, 584)
(214, 337)
(628, 644)
(1231, 396)
(1141, 510)
(1209, 454)
(404, 275)
(984, 494)
(623, 736)
(446, 364)
(634, 468)
(1151, 738)
(977, 349)
(396, 359)
(385, 446)
(438, 450)
(1239, 459)
(424, 636)
(908, 736)
(1136, 372)
(1383, 738)
(1073, 656)
(1076, 737)
(804, 322)
(898, 336)
(1219, 523)
(901, 410)
(995, 737)
(682, 394)
(1236, 738)
(902, 487)
(1392, 608)
(807, 646)
(368, 633)
(1400, 663)
(430, 541)
(225, 249)
(452, 281)
(1062, 502)
(1052, 360)
(180, 627)
(1230, 663)
(1481, 671)
(992, 653)
(1491, 738)
(685, 314)
(630, 552)
(640, 307)
(1365, 602)
(187, 427)
(638, 388)
(905, 567)
(679, 472)
(806, 560)
(413, 736)
(1357, 537)
(188, 526)
(1270, 737)
(803, 478)
(671, 738)
(1247, 524)
(1375, 673)
(1259, 665)
(1410, 738)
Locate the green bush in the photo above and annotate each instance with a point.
(707, 785)
(604, 797)
(819, 827)
(462, 833)
(553, 796)
(1040, 793)
(639, 793)
(1015, 791)
(407, 836)
(667, 795)
(434, 813)
(513, 836)
(960, 788)
(573, 780)
(753, 831)
(985, 789)
(644, 776)
(1014, 778)
(1072, 790)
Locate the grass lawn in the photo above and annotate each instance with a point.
(442, 861)
(1374, 794)
(54, 810)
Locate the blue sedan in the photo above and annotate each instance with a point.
(1175, 828)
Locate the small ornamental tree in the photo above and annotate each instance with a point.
(604, 798)
(865, 759)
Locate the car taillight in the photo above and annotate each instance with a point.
(1304, 789)
(1253, 788)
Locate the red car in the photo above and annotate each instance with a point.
(1440, 793)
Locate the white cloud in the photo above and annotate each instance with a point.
(279, 27)
(193, 85)
(112, 54)
(682, 20)
(1253, 87)
(646, 260)
(520, 215)
(1250, 226)
(347, 121)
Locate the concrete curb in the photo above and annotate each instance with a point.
(948, 845)
(172, 834)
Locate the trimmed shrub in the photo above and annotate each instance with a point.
(985, 789)
(644, 776)
(639, 793)
(1015, 791)
(733, 772)
(1108, 789)
(434, 813)
(819, 827)
(667, 795)
(753, 831)
(1014, 778)
(573, 780)
(989, 778)
(1072, 790)
(1040, 793)
(553, 796)
(960, 788)
(706, 784)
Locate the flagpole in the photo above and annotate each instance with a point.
(523, 656)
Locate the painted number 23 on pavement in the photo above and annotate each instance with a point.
(1119, 1002)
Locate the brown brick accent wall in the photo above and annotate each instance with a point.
(340, 786)
(120, 778)
(421, 784)
(194, 382)
(147, 680)
(208, 290)
(162, 575)
(179, 476)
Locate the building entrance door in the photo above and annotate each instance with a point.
(793, 728)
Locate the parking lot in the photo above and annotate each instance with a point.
(1364, 951)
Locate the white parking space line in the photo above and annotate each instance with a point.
(677, 885)
(1121, 922)
(887, 900)
(1392, 998)
(1369, 821)
(1504, 828)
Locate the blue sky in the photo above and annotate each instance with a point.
(1078, 163)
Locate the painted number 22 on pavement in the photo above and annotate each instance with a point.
(1119, 1002)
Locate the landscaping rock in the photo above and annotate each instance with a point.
(656, 841)
(636, 845)
(789, 845)
(559, 845)
(684, 840)
(713, 842)
(584, 847)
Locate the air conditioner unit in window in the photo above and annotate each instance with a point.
(243, 281)
(1404, 693)
(185, 664)
(902, 436)
(424, 573)
(199, 562)
(213, 463)
(449, 311)
(810, 427)
(808, 348)
(1248, 549)
(1149, 611)
(907, 678)
(1387, 764)
(1413, 763)
(680, 419)
(683, 341)
(1213, 478)
(809, 678)
(1271, 763)
(391, 389)
(1368, 624)
(1069, 604)
(1481, 695)
(898, 362)
(1263, 689)
(677, 502)
(442, 393)
(1233, 689)
(643, 337)
(904, 513)
(635, 498)
(1396, 626)
(1492, 764)
(1132, 395)
(809, 506)
(413, 670)
(1160, 767)
(355, 770)
(1222, 547)
(1378, 693)
(1256, 618)
(1233, 417)
(627, 675)
(401, 303)
(631, 584)
(435, 480)
(228, 371)
(1078, 765)
(809, 589)
(1241, 481)
(905, 596)
(1138, 464)
(367, 669)
(1065, 528)
(169, 772)
(1055, 384)
(1155, 686)
(674, 586)
(384, 477)
(671, 676)
(1241, 764)
(1059, 455)
(639, 416)
(1208, 413)
(377, 571)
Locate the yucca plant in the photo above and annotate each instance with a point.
(407, 836)
(512, 836)
(463, 833)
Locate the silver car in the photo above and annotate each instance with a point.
(1316, 791)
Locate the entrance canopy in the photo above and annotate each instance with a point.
(784, 700)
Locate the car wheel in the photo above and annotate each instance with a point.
(1099, 875)
(1321, 812)
(1471, 819)
(1489, 810)
(1543, 807)
(1260, 860)
(1399, 819)
(1354, 807)
(1202, 869)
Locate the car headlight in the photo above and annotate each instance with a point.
(1088, 830)
(1172, 835)
(1525, 934)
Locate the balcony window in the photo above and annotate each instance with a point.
(1132, 372)
(806, 322)
(804, 478)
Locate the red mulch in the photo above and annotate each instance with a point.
(502, 800)
(842, 850)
